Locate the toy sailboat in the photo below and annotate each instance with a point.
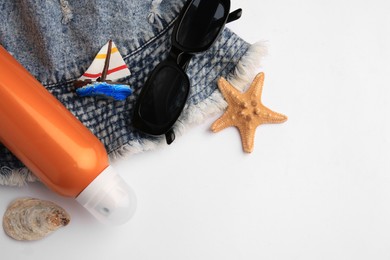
(99, 79)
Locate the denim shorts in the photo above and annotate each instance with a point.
(56, 40)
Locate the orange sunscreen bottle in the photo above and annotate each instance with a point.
(57, 147)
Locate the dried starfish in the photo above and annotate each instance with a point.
(245, 111)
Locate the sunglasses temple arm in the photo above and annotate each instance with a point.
(235, 15)
(170, 136)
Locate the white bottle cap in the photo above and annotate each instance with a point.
(109, 198)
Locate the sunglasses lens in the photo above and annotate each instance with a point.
(201, 24)
(164, 98)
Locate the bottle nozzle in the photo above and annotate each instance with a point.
(109, 198)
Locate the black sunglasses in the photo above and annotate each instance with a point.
(165, 93)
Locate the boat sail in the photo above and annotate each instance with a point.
(99, 79)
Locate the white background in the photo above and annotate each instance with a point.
(315, 187)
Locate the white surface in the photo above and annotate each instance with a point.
(315, 187)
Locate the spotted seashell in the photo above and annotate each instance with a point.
(33, 219)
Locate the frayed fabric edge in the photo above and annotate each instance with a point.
(67, 14)
(243, 74)
(248, 67)
(16, 177)
(154, 16)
